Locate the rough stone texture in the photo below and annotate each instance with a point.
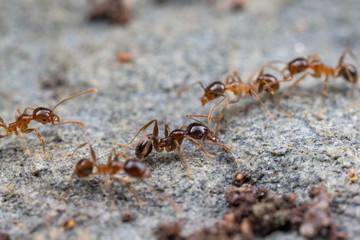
(172, 45)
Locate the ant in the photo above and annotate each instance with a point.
(314, 63)
(173, 139)
(41, 115)
(132, 167)
(234, 84)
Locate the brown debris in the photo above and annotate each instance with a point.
(124, 57)
(115, 11)
(127, 216)
(237, 5)
(169, 231)
(69, 224)
(254, 212)
(4, 236)
(352, 175)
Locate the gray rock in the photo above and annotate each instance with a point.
(173, 45)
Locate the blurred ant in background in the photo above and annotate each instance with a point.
(41, 115)
(318, 69)
(233, 83)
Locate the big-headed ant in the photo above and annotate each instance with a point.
(41, 115)
(132, 167)
(318, 68)
(173, 139)
(234, 84)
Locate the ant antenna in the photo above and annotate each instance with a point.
(189, 86)
(67, 99)
(75, 96)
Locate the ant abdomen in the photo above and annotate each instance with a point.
(84, 167)
(144, 146)
(348, 72)
(297, 65)
(135, 168)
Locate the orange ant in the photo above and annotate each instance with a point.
(234, 84)
(314, 63)
(173, 139)
(131, 167)
(41, 115)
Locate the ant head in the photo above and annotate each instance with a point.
(135, 168)
(199, 131)
(144, 146)
(45, 115)
(298, 65)
(349, 72)
(214, 90)
(265, 81)
(84, 167)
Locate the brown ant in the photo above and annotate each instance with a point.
(314, 63)
(173, 139)
(131, 167)
(234, 84)
(41, 115)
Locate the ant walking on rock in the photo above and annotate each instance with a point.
(41, 115)
(132, 167)
(173, 139)
(234, 84)
(316, 68)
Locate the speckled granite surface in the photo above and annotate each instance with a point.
(173, 45)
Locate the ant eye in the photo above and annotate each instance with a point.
(298, 70)
(201, 135)
(43, 119)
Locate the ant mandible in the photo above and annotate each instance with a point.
(314, 63)
(173, 139)
(131, 167)
(233, 83)
(41, 115)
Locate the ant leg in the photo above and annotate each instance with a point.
(162, 197)
(352, 55)
(18, 131)
(127, 185)
(69, 186)
(182, 158)
(108, 186)
(39, 136)
(213, 109)
(17, 113)
(199, 146)
(324, 97)
(155, 132)
(253, 93)
(276, 99)
(287, 92)
(183, 89)
(217, 144)
(25, 110)
(223, 111)
(93, 155)
(353, 95)
(166, 130)
(230, 78)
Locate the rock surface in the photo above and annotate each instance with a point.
(50, 51)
